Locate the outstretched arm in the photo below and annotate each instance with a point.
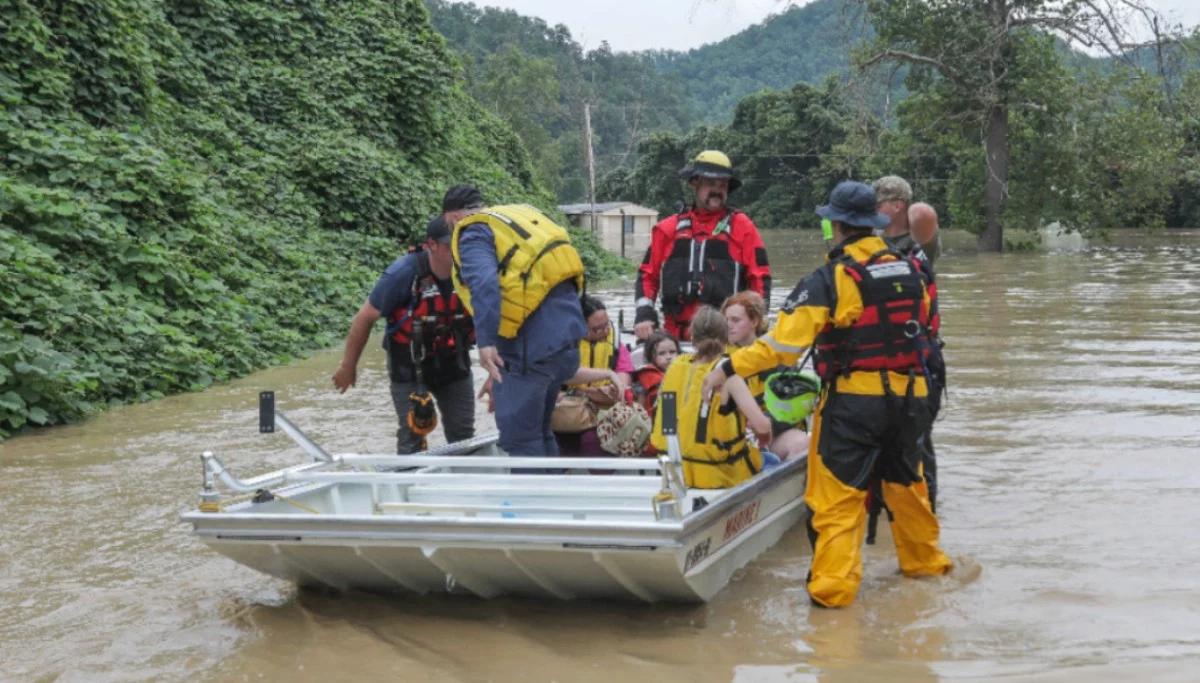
(356, 340)
(586, 375)
(477, 245)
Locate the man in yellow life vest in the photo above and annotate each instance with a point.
(867, 313)
(519, 276)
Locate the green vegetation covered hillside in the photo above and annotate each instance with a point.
(193, 189)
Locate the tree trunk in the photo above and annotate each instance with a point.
(995, 186)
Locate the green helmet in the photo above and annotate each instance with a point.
(791, 394)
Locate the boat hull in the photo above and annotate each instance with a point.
(347, 545)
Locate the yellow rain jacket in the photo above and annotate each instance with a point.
(853, 434)
(815, 303)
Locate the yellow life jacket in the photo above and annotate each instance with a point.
(601, 354)
(533, 256)
(716, 452)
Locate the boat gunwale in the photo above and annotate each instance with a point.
(434, 528)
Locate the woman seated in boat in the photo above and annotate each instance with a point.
(746, 314)
(716, 451)
(660, 349)
(601, 380)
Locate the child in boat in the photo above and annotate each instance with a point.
(712, 434)
(660, 349)
(746, 314)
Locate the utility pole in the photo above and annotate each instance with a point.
(591, 162)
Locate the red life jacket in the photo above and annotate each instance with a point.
(701, 269)
(893, 331)
(446, 327)
(646, 381)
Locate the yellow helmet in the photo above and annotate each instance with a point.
(711, 164)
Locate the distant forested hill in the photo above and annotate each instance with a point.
(538, 79)
(802, 44)
(783, 99)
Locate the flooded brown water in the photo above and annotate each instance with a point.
(1070, 475)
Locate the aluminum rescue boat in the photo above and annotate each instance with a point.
(466, 517)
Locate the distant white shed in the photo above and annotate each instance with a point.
(622, 227)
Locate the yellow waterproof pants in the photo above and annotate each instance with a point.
(853, 437)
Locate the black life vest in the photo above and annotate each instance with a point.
(702, 269)
(893, 331)
(447, 331)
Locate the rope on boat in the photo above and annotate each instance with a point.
(302, 506)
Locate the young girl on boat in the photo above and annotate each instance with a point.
(746, 315)
(712, 434)
(660, 349)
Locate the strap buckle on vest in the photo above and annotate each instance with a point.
(912, 328)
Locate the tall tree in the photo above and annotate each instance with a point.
(968, 53)
(523, 90)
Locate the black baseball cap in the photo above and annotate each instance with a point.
(437, 229)
(462, 197)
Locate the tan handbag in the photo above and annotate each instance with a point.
(573, 414)
(603, 396)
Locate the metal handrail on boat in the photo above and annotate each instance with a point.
(509, 509)
(666, 500)
(598, 482)
(269, 419)
(495, 461)
(214, 468)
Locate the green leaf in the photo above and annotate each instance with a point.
(12, 402)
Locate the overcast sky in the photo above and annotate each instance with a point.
(684, 24)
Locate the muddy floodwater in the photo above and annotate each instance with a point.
(1070, 500)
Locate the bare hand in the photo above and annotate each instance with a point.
(713, 382)
(643, 329)
(344, 377)
(486, 390)
(490, 360)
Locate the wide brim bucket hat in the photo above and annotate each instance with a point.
(853, 203)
